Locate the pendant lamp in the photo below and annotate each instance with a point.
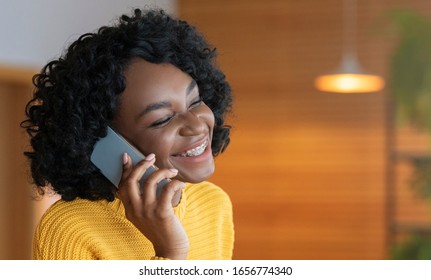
(349, 77)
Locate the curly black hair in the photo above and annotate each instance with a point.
(76, 96)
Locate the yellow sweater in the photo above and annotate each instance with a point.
(83, 229)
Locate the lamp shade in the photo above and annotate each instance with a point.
(349, 78)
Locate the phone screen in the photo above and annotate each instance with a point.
(107, 156)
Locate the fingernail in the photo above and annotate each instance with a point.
(182, 185)
(150, 157)
(125, 158)
(173, 170)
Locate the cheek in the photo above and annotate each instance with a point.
(207, 115)
(160, 144)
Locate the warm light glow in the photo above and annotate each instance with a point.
(349, 83)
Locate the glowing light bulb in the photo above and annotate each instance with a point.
(349, 83)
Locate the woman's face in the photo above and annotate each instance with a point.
(161, 112)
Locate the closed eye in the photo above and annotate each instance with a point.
(161, 122)
(164, 121)
(195, 103)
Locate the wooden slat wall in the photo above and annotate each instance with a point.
(16, 217)
(306, 170)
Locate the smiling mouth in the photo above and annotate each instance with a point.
(195, 151)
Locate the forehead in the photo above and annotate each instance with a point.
(142, 75)
(148, 82)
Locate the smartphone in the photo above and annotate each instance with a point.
(107, 156)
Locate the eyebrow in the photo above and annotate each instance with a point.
(191, 87)
(165, 104)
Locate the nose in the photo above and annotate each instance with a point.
(192, 124)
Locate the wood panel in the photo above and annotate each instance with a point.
(16, 202)
(306, 170)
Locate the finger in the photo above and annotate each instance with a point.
(130, 183)
(127, 165)
(150, 185)
(127, 169)
(169, 191)
(141, 167)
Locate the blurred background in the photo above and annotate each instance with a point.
(312, 173)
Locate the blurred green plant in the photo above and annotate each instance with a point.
(417, 247)
(409, 78)
(420, 180)
(409, 82)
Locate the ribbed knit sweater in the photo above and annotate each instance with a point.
(85, 230)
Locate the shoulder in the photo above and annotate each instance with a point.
(72, 229)
(53, 234)
(75, 206)
(63, 215)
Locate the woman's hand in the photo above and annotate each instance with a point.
(153, 216)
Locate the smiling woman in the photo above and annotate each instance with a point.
(153, 79)
(167, 116)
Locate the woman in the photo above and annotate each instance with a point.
(153, 79)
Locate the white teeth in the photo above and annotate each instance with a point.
(196, 151)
